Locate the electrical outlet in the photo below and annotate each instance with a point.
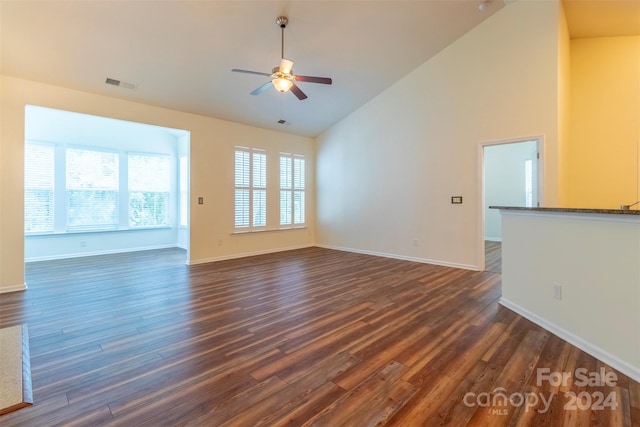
(415, 242)
(557, 292)
(83, 243)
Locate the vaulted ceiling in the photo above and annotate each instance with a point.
(179, 54)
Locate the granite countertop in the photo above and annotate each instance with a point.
(573, 210)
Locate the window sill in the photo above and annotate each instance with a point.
(107, 230)
(266, 230)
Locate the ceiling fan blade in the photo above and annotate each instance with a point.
(235, 70)
(286, 66)
(311, 79)
(262, 88)
(297, 92)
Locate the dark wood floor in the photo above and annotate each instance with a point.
(307, 337)
(493, 256)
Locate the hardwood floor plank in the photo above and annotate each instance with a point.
(240, 403)
(375, 356)
(311, 336)
(355, 405)
(308, 407)
(421, 409)
(320, 348)
(279, 405)
(493, 256)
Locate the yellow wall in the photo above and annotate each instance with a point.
(605, 122)
(564, 108)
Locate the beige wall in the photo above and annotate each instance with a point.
(386, 173)
(605, 122)
(212, 145)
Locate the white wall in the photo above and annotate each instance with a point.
(596, 261)
(504, 181)
(212, 148)
(387, 172)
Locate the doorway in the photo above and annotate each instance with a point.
(511, 177)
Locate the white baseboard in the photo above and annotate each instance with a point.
(493, 239)
(105, 252)
(402, 257)
(248, 254)
(13, 288)
(629, 370)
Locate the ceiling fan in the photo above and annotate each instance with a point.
(283, 78)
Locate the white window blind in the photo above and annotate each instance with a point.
(149, 178)
(292, 189)
(286, 199)
(250, 208)
(184, 196)
(39, 188)
(259, 180)
(92, 189)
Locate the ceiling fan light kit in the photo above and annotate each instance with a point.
(282, 84)
(282, 77)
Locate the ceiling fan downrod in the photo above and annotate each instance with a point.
(282, 22)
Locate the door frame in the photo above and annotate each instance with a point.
(481, 184)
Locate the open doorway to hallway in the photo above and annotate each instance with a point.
(511, 177)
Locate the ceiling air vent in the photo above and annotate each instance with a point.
(120, 83)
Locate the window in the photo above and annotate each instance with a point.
(184, 194)
(92, 189)
(149, 178)
(38, 188)
(292, 189)
(85, 189)
(250, 188)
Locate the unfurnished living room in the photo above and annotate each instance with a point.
(328, 213)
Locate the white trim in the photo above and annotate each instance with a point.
(14, 288)
(105, 252)
(239, 232)
(629, 370)
(248, 254)
(402, 257)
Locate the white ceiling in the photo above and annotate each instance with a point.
(180, 53)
